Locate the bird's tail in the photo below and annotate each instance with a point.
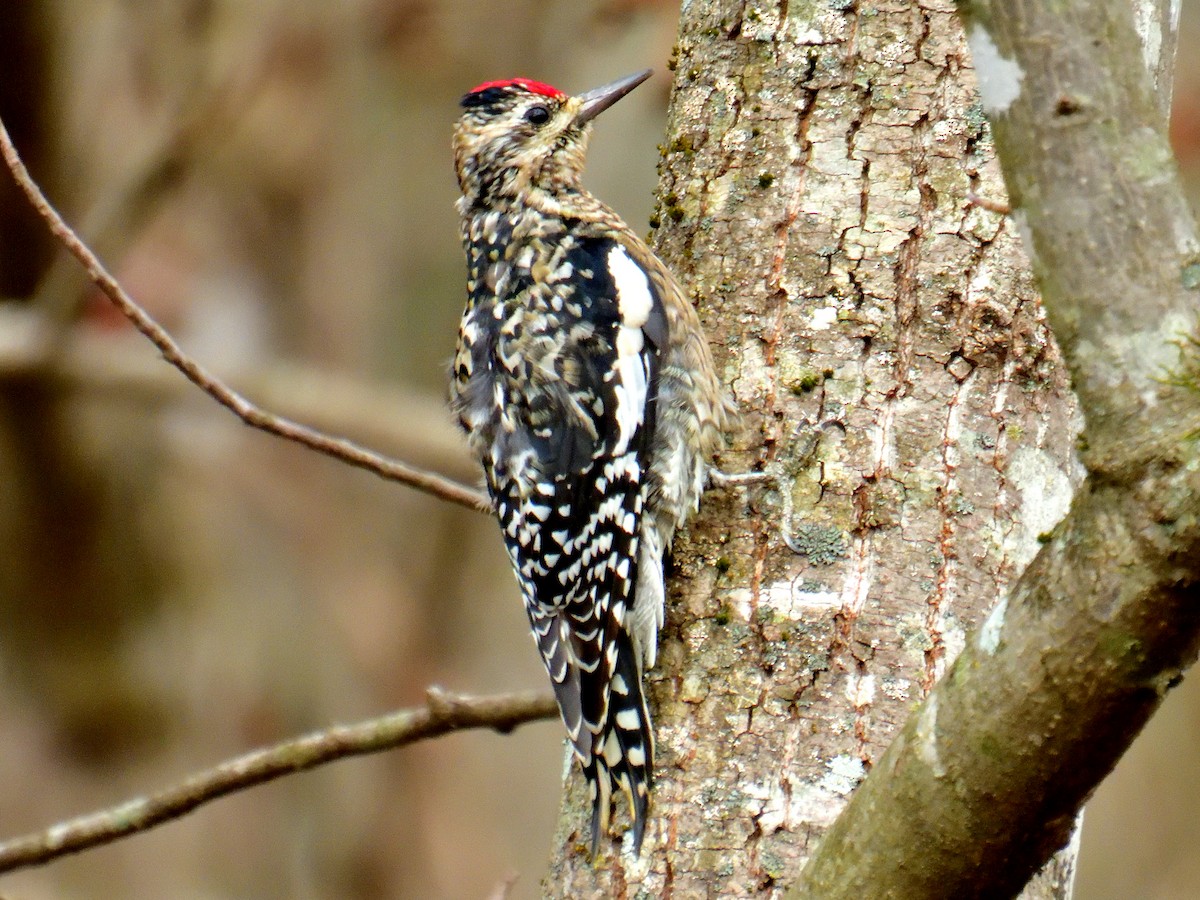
(624, 750)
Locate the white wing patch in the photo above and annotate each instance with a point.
(634, 300)
(634, 303)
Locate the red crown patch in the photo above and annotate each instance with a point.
(535, 87)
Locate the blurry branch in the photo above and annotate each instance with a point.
(114, 216)
(122, 366)
(252, 415)
(202, 115)
(441, 714)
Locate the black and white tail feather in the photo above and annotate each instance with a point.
(587, 391)
(572, 513)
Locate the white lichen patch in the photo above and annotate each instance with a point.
(1045, 493)
(808, 36)
(981, 280)
(719, 190)
(760, 22)
(993, 627)
(753, 374)
(894, 54)
(693, 688)
(811, 803)
(740, 601)
(814, 600)
(954, 638)
(948, 128)
(822, 317)
(787, 599)
(857, 586)
(768, 803)
(999, 77)
(860, 689)
(845, 772)
(1147, 357)
(896, 688)
(810, 24)
(781, 804)
(927, 741)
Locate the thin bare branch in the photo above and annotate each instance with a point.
(441, 714)
(339, 448)
(402, 423)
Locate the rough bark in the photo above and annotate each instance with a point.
(991, 771)
(883, 338)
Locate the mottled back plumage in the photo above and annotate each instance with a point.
(589, 395)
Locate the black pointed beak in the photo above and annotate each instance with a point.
(599, 99)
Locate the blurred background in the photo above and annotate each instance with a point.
(272, 180)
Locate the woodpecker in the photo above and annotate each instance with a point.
(587, 390)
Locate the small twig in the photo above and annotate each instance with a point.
(339, 448)
(442, 713)
(996, 206)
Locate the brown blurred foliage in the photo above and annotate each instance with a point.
(271, 180)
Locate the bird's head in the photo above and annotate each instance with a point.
(517, 135)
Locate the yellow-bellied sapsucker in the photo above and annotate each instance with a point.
(587, 391)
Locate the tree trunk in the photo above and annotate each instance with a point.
(990, 772)
(882, 336)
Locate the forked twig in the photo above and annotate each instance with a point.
(339, 448)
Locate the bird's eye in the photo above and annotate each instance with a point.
(537, 115)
